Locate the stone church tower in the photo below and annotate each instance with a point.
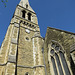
(21, 50)
(25, 52)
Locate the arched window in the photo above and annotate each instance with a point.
(59, 64)
(54, 66)
(66, 69)
(23, 13)
(29, 16)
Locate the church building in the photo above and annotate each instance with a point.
(25, 52)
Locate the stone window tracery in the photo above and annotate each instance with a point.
(57, 59)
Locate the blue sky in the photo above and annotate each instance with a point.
(51, 13)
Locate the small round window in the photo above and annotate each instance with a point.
(27, 73)
(27, 38)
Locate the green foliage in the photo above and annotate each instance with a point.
(4, 2)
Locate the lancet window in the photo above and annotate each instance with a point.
(58, 63)
(29, 16)
(23, 13)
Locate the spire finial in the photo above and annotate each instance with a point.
(25, 4)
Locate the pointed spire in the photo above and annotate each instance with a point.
(25, 4)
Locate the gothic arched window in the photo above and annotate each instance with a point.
(29, 16)
(58, 63)
(23, 13)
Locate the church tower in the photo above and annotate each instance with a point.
(21, 50)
